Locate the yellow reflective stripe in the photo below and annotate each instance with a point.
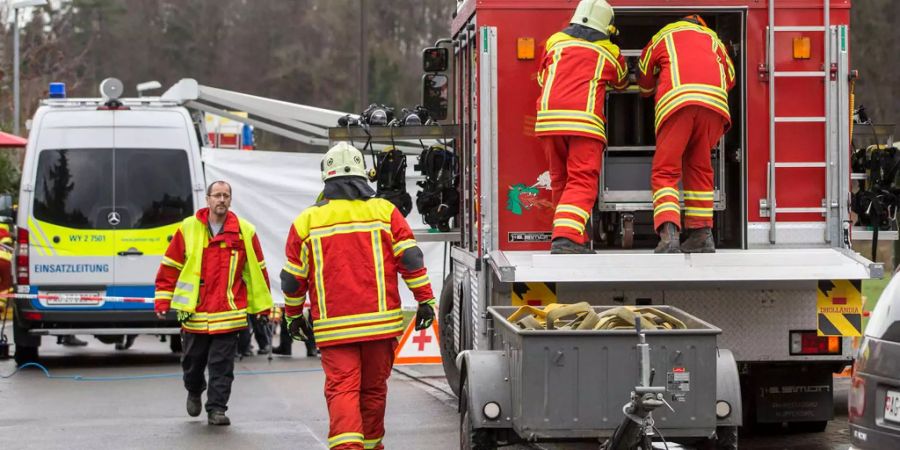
(595, 83)
(551, 75)
(699, 195)
(262, 265)
(238, 323)
(573, 210)
(293, 301)
(164, 295)
(320, 282)
(378, 255)
(662, 192)
(371, 443)
(569, 114)
(417, 282)
(294, 269)
(229, 293)
(673, 58)
(402, 246)
(603, 51)
(166, 261)
(667, 206)
(692, 88)
(647, 91)
(569, 223)
(219, 315)
(701, 98)
(395, 326)
(344, 438)
(350, 228)
(644, 63)
(698, 211)
(569, 126)
(356, 319)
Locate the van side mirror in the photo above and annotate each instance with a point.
(435, 59)
(435, 94)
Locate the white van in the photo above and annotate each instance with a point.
(105, 183)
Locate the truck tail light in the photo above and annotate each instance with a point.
(809, 343)
(22, 270)
(856, 398)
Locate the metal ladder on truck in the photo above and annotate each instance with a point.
(830, 75)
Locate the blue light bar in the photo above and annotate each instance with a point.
(57, 90)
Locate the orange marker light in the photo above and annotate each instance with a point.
(834, 345)
(525, 48)
(802, 48)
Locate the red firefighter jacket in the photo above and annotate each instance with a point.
(573, 76)
(686, 64)
(347, 254)
(221, 270)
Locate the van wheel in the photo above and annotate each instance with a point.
(445, 320)
(26, 354)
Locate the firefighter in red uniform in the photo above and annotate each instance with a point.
(579, 62)
(691, 73)
(346, 252)
(213, 274)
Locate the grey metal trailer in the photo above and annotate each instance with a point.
(566, 384)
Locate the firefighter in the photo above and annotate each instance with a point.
(578, 64)
(691, 73)
(346, 252)
(213, 274)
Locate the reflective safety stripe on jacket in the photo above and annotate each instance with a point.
(574, 75)
(686, 64)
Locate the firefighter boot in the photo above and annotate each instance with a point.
(218, 418)
(563, 246)
(699, 241)
(668, 239)
(194, 404)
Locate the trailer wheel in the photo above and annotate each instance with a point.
(445, 319)
(726, 439)
(470, 438)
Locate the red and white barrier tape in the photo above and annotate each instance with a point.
(83, 298)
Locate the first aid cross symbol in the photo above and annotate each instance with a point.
(421, 339)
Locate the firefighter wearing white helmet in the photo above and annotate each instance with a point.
(594, 14)
(579, 64)
(347, 253)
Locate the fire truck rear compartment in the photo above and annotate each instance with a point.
(624, 215)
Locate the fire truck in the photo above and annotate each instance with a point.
(782, 199)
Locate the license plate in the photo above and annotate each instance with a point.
(71, 298)
(892, 406)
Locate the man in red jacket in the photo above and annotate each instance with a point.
(691, 73)
(213, 274)
(346, 252)
(579, 63)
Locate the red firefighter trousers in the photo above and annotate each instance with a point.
(683, 143)
(356, 392)
(574, 179)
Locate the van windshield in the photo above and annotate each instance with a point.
(153, 187)
(74, 188)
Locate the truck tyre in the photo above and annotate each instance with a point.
(726, 439)
(445, 320)
(470, 438)
(26, 354)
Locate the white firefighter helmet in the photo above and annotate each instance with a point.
(596, 14)
(343, 160)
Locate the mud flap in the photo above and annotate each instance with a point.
(728, 389)
(487, 373)
(793, 393)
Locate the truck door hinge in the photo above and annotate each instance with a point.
(763, 71)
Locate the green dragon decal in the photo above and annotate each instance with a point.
(515, 203)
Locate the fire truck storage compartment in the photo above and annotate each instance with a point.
(625, 179)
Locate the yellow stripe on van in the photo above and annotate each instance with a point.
(65, 241)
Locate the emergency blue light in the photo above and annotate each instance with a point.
(57, 90)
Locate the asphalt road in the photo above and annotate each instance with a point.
(135, 399)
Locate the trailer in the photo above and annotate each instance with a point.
(782, 189)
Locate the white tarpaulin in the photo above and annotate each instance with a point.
(270, 190)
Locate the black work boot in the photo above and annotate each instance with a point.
(218, 418)
(668, 239)
(564, 246)
(194, 406)
(71, 341)
(699, 240)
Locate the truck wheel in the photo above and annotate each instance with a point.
(470, 438)
(26, 354)
(726, 439)
(445, 319)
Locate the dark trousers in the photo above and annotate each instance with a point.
(216, 353)
(258, 330)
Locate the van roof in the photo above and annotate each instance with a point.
(97, 102)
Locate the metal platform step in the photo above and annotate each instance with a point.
(723, 266)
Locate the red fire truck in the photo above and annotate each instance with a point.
(782, 189)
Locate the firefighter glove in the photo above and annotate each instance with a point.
(298, 328)
(184, 316)
(425, 315)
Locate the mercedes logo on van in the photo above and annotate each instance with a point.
(114, 218)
